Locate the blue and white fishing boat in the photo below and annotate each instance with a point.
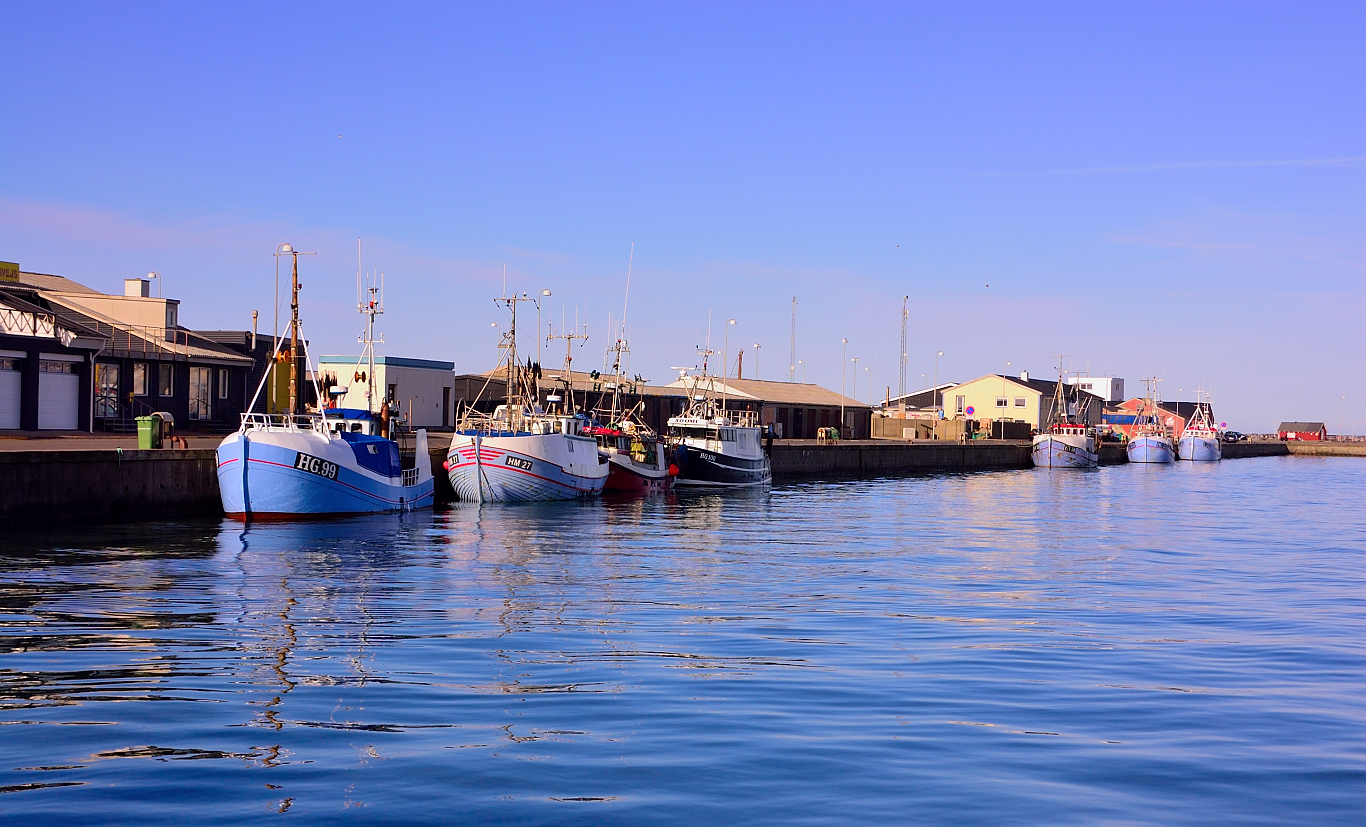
(327, 462)
(1199, 440)
(523, 452)
(1067, 440)
(1150, 441)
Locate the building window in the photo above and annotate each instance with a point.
(199, 393)
(958, 405)
(1002, 402)
(139, 378)
(222, 383)
(9, 364)
(56, 367)
(106, 390)
(166, 385)
(1019, 401)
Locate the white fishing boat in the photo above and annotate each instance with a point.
(1150, 440)
(1199, 440)
(523, 452)
(324, 462)
(1068, 440)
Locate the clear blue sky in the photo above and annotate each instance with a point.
(1170, 189)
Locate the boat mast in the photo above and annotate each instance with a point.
(294, 341)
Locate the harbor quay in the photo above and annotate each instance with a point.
(89, 480)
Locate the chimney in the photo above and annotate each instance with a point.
(1024, 375)
(137, 288)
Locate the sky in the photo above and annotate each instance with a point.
(1158, 189)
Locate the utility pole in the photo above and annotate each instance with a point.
(792, 355)
(901, 383)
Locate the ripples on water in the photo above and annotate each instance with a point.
(1137, 645)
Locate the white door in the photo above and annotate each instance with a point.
(59, 396)
(9, 395)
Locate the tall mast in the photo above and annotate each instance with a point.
(294, 341)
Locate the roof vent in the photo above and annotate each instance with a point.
(138, 288)
(1024, 376)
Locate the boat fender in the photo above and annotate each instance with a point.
(445, 465)
(673, 470)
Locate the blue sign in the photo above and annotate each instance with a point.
(971, 410)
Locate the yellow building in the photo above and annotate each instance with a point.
(1012, 399)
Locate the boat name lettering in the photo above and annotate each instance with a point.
(707, 457)
(518, 462)
(314, 465)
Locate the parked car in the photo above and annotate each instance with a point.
(1234, 436)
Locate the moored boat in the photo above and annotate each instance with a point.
(328, 462)
(715, 447)
(637, 458)
(1068, 440)
(1150, 441)
(522, 452)
(1199, 440)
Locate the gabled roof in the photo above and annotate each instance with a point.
(920, 399)
(57, 284)
(1042, 386)
(1300, 427)
(777, 393)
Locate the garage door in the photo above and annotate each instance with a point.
(9, 393)
(59, 395)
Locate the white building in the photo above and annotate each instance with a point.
(1109, 388)
(421, 388)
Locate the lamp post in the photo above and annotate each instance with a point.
(157, 276)
(936, 393)
(756, 361)
(725, 363)
(803, 367)
(869, 370)
(544, 294)
(844, 364)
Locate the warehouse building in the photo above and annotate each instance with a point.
(420, 390)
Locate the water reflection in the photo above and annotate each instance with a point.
(1134, 636)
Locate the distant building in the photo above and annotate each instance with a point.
(1109, 388)
(1011, 399)
(125, 356)
(420, 388)
(926, 400)
(1124, 416)
(1300, 431)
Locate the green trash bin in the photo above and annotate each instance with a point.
(149, 432)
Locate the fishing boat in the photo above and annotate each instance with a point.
(1150, 441)
(325, 462)
(1199, 440)
(1068, 440)
(716, 447)
(637, 456)
(523, 452)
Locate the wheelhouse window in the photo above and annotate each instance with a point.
(166, 380)
(139, 378)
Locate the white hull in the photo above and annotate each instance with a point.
(524, 467)
(1064, 451)
(1200, 449)
(1151, 449)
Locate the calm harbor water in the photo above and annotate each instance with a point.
(1138, 645)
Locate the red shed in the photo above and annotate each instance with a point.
(1302, 431)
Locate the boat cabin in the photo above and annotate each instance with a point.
(721, 439)
(352, 421)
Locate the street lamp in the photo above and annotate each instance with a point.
(725, 363)
(844, 363)
(936, 393)
(803, 366)
(544, 294)
(157, 276)
(869, 370)
(756, 361)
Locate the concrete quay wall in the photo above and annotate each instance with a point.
(64, 486)
(795, 458)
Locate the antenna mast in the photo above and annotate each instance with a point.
(369, 303)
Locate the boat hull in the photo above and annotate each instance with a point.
(524, 467)
(1151, 449)
(1064, 451)
(697, 467)
(261, 476)
(1199, 449)
(627, 476)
